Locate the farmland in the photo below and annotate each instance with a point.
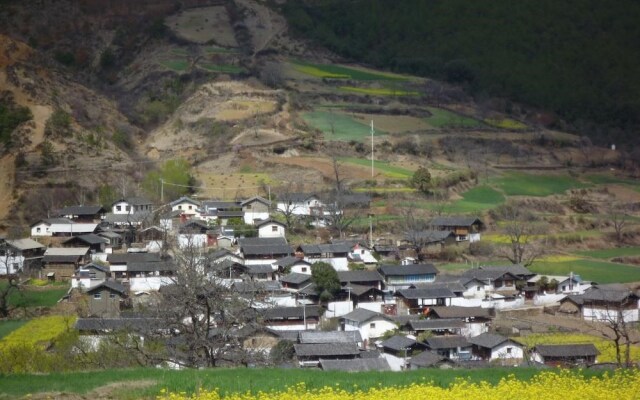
(342, 72)
(522, 184)
(607, 254)
(441, 118)
(605, 347)
(592, 270)
(338, 126)
(380, 167)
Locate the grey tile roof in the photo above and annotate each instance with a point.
(137, 217)
(356, 365)
(326, 349)
(317, 249)
(608, 295)
(454, 221)
(295, 278)
(411, 269)
(330, 337)
(289, 261)
(151, 266)
(461, 312)
(96, 266)
(484, 274)
(362, 315)
(254, 199)
(429, 236)
(260, 286)
(184, 199)
(291, 312)
(81, 210)
(489, 340)
(359, 276)
(515, 269)
(434, 324)
(447, 342)
(295, 197)
(426, 359)
(124, 258)
(259, 269)
(398, 343)
(264, 246)
(138, 201)
(109, 284)
(25, 244)
(425, 293)
(359, 290)
(89, 238)
(566, 350)
(230, 214)
(111, 324)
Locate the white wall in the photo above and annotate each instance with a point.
(339, 308)
(548, 299)
(45, 230)
(251, 216)
(124, 208)
(474, 237)
(339, 264)
(311, 325)
(266, 231)
(195, 240)
(500, 352)
(472, 329)
(298, 268)
(594, 314)
(11, 264)
(151, 283)
(367, 331)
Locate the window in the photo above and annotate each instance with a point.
(97, 296)
(372, 325)
(190, 207)
(112, 295)
(248, 206)
(274, 228)
(126, 208)
(304, 269)
(477, 288)
(509, 350)
(38, 229)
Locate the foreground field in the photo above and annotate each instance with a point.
(149, 382)
(605, 347)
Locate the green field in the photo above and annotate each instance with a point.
(378, 91)
(608, 179)
(7, 327)
(340, 72)
(176, 65)
(505, 123)
(442, 118)
(345, 128)
(607, 254)
(380, 167)
(32, 297)
(244, 380)
(227, 69)
(478, 199)
(590, 270)
(522, 184)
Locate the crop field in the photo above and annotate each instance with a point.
(606, 254)
(339, 127)
(442, 118)
(383, 167)
(254, 380)
(606, 347)
(505, 123)
(7, 327)
(606, 179)
(392, 123)
(40, 297)
(342, 72)
(522, 184)
(385, 91)
(593, 270)
(227, 69)
(175, 64)
(478, 199)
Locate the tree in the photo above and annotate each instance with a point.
(421, 180)
(287, 205)
(338, 218)
(177, 178)
(7, 289)
(47, 155)
(619, 220)
(520, 227)
(413, 230)
(326, 280)
(272, 75)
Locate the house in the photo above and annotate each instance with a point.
(118, 263)
(227, 216)
(330, 337)
(61, 227)
(20, 255)
(292, 318)
(452, 347)
(131, 205)
(122, 220)
(566, 355)
(114, 238)
(105, 299)
(89, 214)
(604, 303)
(430, 359)
(186, 206)
(493, 347)
(92, 331)
(370, 324)
(309, 355)
(293, 264)
(400, 346)
(398, 277)
(355, 365)
(438, 327)
(194, 234)
(465, 287)
(171, 219)
(302, 204)
(60, 263)
(255, 209)
(89, 276)
(363, 278)
(295, 281)
(96, 243)
(496, 280)
(270, 228)
(477, 319)
(386, 248)
(263, 250)
(417, 300)
(261, 272)
(334, 254)
(210, 209)
(464, 228)
(359, 252)
(429, 241)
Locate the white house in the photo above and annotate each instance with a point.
(334, 254)
(370, 324)
(255, 209)
(131, 205)
(186, 205)
(15, 255)
(293, 264)
(271, 229)
(302, 204)
(61, 227)
(493, 347)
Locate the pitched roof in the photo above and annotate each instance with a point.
(356, 365)
(289, 261)
(110, 324)
(220, 204)
(326, 349)
(269, 221)
(291, 312)
(109, 284)
(95, 266)
(259, 269)
(82, 210)
(489, 340)
(429, 236)
(254, 199)
(257, 286)
(483, 274)
(427, 359)
(66, 251)
(89, 238)
(461, 312)
(308, 249)
(398, 343)
(411, 269)
(150, 266)
(434, 324)
(425, 293)
(127, 218)
(447, 342)
(454, 221)
(515, 269)
(136, 201)
(295, 197)
(566, 350)
(264, 246)
(184, 199)
(230, 213)
(295, 278)
(359, 276)
(362, 315)
(25, 244)
(607, 295)
(125, 258)
(329, 337)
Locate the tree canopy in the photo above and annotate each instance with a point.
(326, 280)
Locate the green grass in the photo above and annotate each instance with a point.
(227, 69)
(340, 72)
(220, 50)
(506, 123)
(607, 179)
(176, 65)
(478, 199)
(607, 254)
(345, 128)
(7, 327)
(590, 270)
(252, 380)
(441, 118)
(380, 166)
(523, 184)
(37, 298)
(378, 91)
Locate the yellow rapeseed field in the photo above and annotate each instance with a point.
(549, 385)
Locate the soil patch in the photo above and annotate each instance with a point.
(201, 25)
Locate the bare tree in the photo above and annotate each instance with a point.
(618, 219)
(521, 228)
(340, 213)
(288, 206)
(414, 227)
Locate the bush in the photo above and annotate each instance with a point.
(482, 249)
(450, 253)
(11, 116)
(58, 124)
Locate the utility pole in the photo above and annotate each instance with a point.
(371, 231)
(161, 190)
(372, 148)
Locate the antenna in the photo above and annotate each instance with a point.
(372, 158)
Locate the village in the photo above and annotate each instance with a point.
(393, 309)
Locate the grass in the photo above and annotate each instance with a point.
(505, 123)
(608, 179)
(380, 166)
(176, 65)
(590, 270)
(606, 254)
(478, 199)
(345, 128)
(7, 327)
(442, 118)
(37, 298)
(341, 72)
(606, 347)
(241, 380)
(523, 184)
(228, 69)
(378, 91)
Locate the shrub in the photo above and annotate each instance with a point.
(58, 124)
(483, 249)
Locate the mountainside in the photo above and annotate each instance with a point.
(578, 59)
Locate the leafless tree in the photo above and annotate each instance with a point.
(618, 219)
(288, 207)
(340, 216)
(413, 226)
(272, 75)
(521, 229)
(8, 286)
